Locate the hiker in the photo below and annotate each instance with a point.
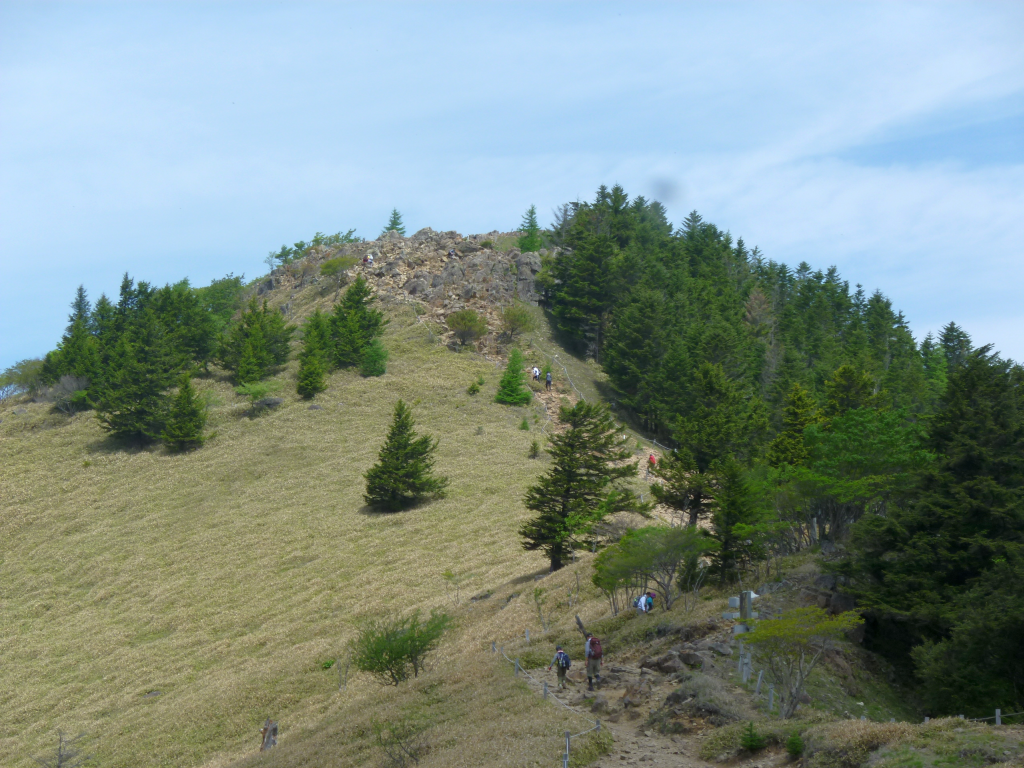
(641, 604)
(561, 663)
(366, 259)
(370, 259)
(652, 462)
(649, 600)
(536, 373)
(593, 652)
(451, 253)
(548, 382)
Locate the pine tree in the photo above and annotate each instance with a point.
(403, 475)
(375, 359)
(956, 344)
(133, 403)
(260, 338)
(187, 418)
(798, 411)
(583, 485)
(354, 324)
(250, 364)
(530, 239)
(512, 389)
(312, 378)
(394, 224)
(848, 388)
(734, 505)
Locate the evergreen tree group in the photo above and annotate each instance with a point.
(257, 344)
(404, 473)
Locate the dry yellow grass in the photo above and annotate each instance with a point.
(223, 578)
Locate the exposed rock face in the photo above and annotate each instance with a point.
(444, 271)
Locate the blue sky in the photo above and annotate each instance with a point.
(172, 140)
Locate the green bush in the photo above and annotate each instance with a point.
(534, 450)
(515, 320)
(391, 649)
(334, 266)
(473, 388)
(795, 746)
(487, 244)
(751, 740)
(467, 325)
(375, 359)
(524, 425)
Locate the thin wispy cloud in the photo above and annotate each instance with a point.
(190, 139)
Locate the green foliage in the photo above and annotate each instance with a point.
(23, 376)
(467, 325)
(583, 484)
(301, 249)
(187, 419)
(487, 244)
(337, 265)
(512, 389)
(530, 239)
(791, 645)
(375, 359)
(314, 359)
(751, 740)
(534, 451)
(355, 324)
(257, 391)
(222, 298)
(394, 224)
(473, 388)
(524, 425)
(516, 320)
(132, 401)
(393, 649)
(797, 413)
(403, 475)
(932, 560)
(795, 746)
(257, 344)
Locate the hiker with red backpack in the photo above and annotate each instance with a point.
(561, 663)
(652, 464)
(592, 650)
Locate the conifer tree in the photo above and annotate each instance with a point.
(313, 357)
(583, 485)
(848, 388)
(355, 324)
(530, 239)
(512, 389)
(375, 359)
(187, 418)
(260, 339)
(133, 402)
(734, 505)
(956, 344)
(394, 224)
(404, 472)
(788, 447)
(250, 365)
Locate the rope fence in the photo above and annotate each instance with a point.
(548, 695)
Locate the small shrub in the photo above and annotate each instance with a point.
(751, 740)
(375, 359)
(524, 425)
(515, 320)
(795, 746)
(487, 244)
(332, 267)
(473, 388)
(480, 380)
(479, 430)
(512, 389)
(587, 750)
(534, 450)
(328, 664)
(392, 648)
(257, 391)
(467, 325)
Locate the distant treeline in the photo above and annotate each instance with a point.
(803, 408)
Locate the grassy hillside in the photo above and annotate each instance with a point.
(167, 604)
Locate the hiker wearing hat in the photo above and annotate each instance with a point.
(561, 663)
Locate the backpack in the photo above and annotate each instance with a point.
(595, 648)
(564, 661)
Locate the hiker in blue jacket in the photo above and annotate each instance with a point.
(561, 664)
